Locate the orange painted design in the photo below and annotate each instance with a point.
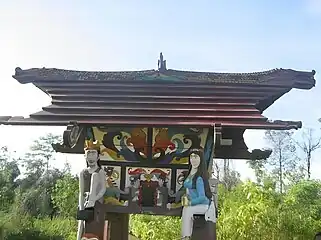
(138, 140)
(162, 141)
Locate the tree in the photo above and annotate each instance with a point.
(42, 153)
(258, 167)
(39, 179)
(65, 195)
(9, 171)
(283, 159)
(225, 174)
(308, 145)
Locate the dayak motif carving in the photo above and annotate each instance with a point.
(148, 185)
(112, 194)
(172, 145)
(71, 135)
(167, 146)
(125, 144)
(181, 176)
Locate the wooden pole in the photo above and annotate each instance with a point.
(119, 226)
(203, 229)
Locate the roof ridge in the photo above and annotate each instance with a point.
(19, 71)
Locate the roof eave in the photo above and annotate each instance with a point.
(269, 125)
(304, 80)
(300, 79)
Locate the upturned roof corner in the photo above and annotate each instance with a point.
(161, 97)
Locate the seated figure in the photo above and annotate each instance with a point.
(92, 187)
(112, 194)
(148, 191)
(198, 197)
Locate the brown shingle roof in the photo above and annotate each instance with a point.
(156, 98)
(211, 77)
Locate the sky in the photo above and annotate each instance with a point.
(212, 35)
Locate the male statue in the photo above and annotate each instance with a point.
(92, 187)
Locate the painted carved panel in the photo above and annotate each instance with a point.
(136, 174)
(172, 145)
(122, 144)
(181, 175)
(166, 145)
(113, 175)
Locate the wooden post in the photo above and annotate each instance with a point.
(119, 226)
(317, 236)
(203, 229)
(106, 230)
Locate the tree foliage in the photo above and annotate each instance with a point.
(283, 159)
(39, 201)
(308, 144)
(9, 171)
(65, 195)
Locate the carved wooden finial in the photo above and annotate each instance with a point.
(161, 63)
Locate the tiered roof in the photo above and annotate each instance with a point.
(161, 97)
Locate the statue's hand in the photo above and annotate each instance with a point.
(161, 182)
(89, 204)
(171, 193)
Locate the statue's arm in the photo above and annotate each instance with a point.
(81, 191)
(102, 180)
(201, 192)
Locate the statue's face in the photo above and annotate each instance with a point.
(91, 156)
(195, 160)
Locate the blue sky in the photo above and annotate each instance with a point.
(222, 36)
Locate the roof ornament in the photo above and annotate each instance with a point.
(161, 63)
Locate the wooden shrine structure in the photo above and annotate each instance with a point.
(147, 121)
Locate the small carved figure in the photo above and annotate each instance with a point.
(112, 194)
(92, 187)
(161, 63)
(198, 197)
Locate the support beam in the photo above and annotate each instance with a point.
(119, 226)
(203, 229)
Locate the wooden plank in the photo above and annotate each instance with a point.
(144, 115)
(160, 91)
(151, 85)
(133, 98)
(133, 108)
(128, 103)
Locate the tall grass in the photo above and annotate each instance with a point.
(24, 227)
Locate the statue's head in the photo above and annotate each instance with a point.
(92, 152)
(199, 166)
(196, 160)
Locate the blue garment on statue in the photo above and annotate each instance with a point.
(197, 196)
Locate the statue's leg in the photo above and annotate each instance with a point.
(93, 187)
(80, 229)
(95, 227)
(187, 221)
(187, 218)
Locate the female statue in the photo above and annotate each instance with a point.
(92, 187)
(198, 198)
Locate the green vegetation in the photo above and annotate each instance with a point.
(283, 203)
